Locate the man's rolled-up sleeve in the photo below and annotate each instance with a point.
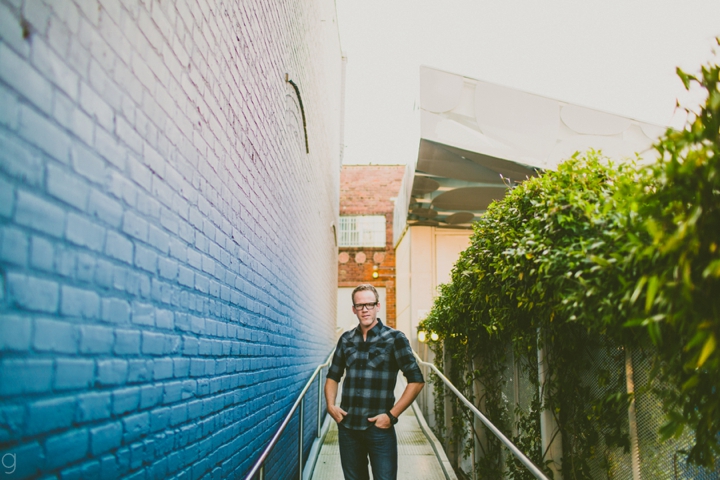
(337, 367)
(406, 360)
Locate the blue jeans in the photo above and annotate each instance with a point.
(380, 444)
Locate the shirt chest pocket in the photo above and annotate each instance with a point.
(379, 356)
(351, 357)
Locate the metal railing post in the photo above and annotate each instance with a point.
(301, 427)
(503, 439)
(319, 409)
(550, 437)
(632, 416)
(259, 465)
(474, 453)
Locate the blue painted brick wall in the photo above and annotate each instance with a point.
(167, 249)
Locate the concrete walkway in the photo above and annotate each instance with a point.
(420, 456)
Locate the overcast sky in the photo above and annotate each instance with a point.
(614, 55)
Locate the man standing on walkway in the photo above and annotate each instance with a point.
(370, 355)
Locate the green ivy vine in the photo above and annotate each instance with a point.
(677, 297)
(599, 257)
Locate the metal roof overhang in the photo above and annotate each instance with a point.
(478, 139)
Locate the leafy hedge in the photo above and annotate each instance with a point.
(680, 271)
(600, 255)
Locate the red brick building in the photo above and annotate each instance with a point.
(365, 248)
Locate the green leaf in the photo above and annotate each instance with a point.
(696, 340)
(637, 322)
(638, 289)
(673, 428)
(653, 285)
(654, 332)
(714, 100)
(713, 269)
(599, 260)
(685, 78)
(707, 350)
(691, 383)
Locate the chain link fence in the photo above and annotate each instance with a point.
(657, 460)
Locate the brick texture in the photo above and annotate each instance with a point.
(167, 259)
(371, 190)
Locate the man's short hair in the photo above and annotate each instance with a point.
(362, 287)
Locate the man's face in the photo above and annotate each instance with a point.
(368, 315)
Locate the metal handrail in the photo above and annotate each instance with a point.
(259, 465)
(511, 446)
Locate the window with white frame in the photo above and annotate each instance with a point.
(362, 231)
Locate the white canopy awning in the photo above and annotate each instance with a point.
(478, 138)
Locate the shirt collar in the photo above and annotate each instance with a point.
(373, 332)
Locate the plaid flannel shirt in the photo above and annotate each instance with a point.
(371, 369)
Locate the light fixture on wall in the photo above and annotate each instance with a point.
(375, 273)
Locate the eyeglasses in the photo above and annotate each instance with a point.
(365, 306)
